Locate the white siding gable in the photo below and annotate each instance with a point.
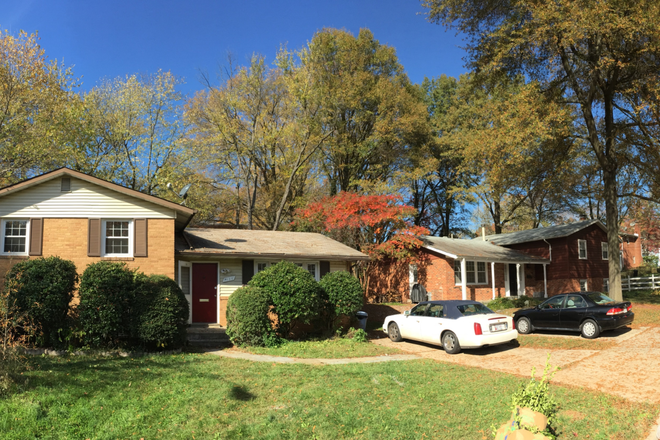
(85, 199)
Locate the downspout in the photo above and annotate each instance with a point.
(549, 249)
(545, 274)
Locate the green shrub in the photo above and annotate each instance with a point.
(106, 297)
(513, 303)
(160, 312)
(344, 292)
(248, 323)
(42, 290)
(294, 294)
(536, 396)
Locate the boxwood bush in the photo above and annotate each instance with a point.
(107, 291)
(345, 295)
(160, 312)
(248, 323)
(42, 290)
(295, 295)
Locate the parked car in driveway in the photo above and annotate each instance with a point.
(453, 324)
(587, 312)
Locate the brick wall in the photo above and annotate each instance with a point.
(67, 238)
(436, 274)
(631, 247)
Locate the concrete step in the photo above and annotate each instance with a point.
(207, 335)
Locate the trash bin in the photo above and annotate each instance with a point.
(362, 319)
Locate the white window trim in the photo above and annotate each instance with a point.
(604, 251)
(476, 273)
(27, 236)
(586, 285)
(585, 250)
(130, 238)
(606, 284)
(304, 263)
(189, 294)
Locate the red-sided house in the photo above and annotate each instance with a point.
(458, 269)
(536, 262)
(578, 254)
(81, 218)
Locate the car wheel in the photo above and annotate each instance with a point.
(524, 326)
(450, 343)
(394, 333)
(590, 329)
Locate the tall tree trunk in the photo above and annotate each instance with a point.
(611, 213)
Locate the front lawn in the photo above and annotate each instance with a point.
(325, 349)
(201, 396)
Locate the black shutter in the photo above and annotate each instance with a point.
(248, 270)
(325, 268)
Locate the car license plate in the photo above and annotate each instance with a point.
(498, 327)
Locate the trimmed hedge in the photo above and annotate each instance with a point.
(160, 312)
(248, 323)
(120, 307)
(42, 289)
(294, 294)
(106, 297)
(345, 295)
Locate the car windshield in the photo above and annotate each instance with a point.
(599, 298)
(473, 309)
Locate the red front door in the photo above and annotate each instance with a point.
(204, 295)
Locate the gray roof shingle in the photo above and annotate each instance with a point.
(539, 234)
(478, 249)
(244, 243)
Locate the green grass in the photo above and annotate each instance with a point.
(207, 397)
(326, 349)
(647, 296)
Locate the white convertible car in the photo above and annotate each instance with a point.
(452, 324)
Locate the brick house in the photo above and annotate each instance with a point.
(577, 252)
(459, 269)
(536, 262)
(84, 219)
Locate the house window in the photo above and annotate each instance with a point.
(606, 284)
(310, 266)
(582, 249)
(117, 238)
(475, 272)
(14, 237)
(457, 272)
(482, 277)
(469, 272)
(583, 285)
(604, 251)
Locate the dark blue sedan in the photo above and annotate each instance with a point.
(587, 312)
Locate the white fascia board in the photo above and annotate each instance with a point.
(446, 254)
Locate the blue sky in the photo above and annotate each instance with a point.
(106, 39)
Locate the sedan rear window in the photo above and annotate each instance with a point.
(599, 298)
(473, 309)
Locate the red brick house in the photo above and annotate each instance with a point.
(577, 252)
(84, 219)
(459, 269)
(536, 262)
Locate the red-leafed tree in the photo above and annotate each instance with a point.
(377, 225)
(646, 222)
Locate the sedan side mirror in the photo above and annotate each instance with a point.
(406, 313)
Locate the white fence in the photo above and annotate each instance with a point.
(640, 283)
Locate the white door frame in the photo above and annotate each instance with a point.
(189, 295)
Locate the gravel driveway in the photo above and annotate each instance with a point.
(630, 369)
